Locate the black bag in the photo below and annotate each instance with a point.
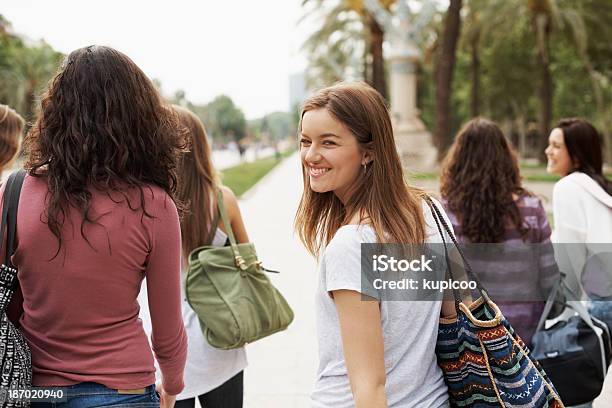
(15, 357)
(575, 351)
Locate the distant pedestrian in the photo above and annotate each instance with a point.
(212, 375)
(11, 127)
(97, 215)
(483, 196)
(371, 353)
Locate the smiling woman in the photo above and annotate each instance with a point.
(332, 154)
(354, 193)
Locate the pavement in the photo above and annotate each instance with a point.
(282, 367)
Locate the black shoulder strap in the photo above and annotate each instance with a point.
(439, 219)
(10, 205)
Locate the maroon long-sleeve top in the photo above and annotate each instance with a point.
(80, 313)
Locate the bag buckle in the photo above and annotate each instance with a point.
(240, 263)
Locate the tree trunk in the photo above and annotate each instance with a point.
(542, 26)
(377, 36)
(30, 102)
(444, 77)
(366, 64)
(475, 76)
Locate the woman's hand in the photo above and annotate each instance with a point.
(166, 400)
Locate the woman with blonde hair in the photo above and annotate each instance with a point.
(376, 353)
(11, 127)
(212, 375)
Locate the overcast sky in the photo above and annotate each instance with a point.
(243, 48)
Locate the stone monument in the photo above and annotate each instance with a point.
(413, 141)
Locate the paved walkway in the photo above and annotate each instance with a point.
(282, 367)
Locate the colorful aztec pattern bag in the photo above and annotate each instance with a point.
(484, 362)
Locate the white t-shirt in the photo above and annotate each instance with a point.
(410, 330)
(207, 367)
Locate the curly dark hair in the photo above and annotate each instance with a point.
(102, 125)
(480, 175)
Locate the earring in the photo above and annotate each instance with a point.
(365, 167)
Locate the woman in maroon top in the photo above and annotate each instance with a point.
(97, 214)
(486, 203)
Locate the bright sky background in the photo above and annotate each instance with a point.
(242, 48)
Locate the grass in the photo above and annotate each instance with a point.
(242, 177)
(529, 173)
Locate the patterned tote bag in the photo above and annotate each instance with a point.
(484, 362)
(15, 359)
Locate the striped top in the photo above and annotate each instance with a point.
(518, 272)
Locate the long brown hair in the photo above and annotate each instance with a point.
(198, 181)
(394, 208)
(11, 126)
(102, 125)
(479, 176)
(584, 145)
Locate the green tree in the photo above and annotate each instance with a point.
(552, 21)
(444, 76)
(24, 70)
(226, 119)
(348, 44)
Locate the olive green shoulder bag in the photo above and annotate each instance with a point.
(229, 291)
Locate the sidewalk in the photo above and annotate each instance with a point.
(282, 367)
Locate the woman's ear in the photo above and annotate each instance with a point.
(367, 158)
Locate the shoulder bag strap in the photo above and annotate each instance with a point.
(9, 213)
(240, 263)
(10, 203)
(213, 227)
(549, 305)
(437, 215)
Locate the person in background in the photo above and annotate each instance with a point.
(372, 354)
(214, 376)
(582, 208)
(11, 127)
(98, 213)
(486, 203)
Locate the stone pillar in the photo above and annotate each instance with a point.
(413, 141)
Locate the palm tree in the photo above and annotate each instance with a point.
(24, 70)
(444, 76)
(548, 17)
(349, 39)
(335, 50)
(471, 40)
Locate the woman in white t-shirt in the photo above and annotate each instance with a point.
(582, 205)
(582, 208)
(372, 354)
(213, 376)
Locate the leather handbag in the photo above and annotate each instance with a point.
(228, 289)
(15, 357)
(483, 361)
(574, 351)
